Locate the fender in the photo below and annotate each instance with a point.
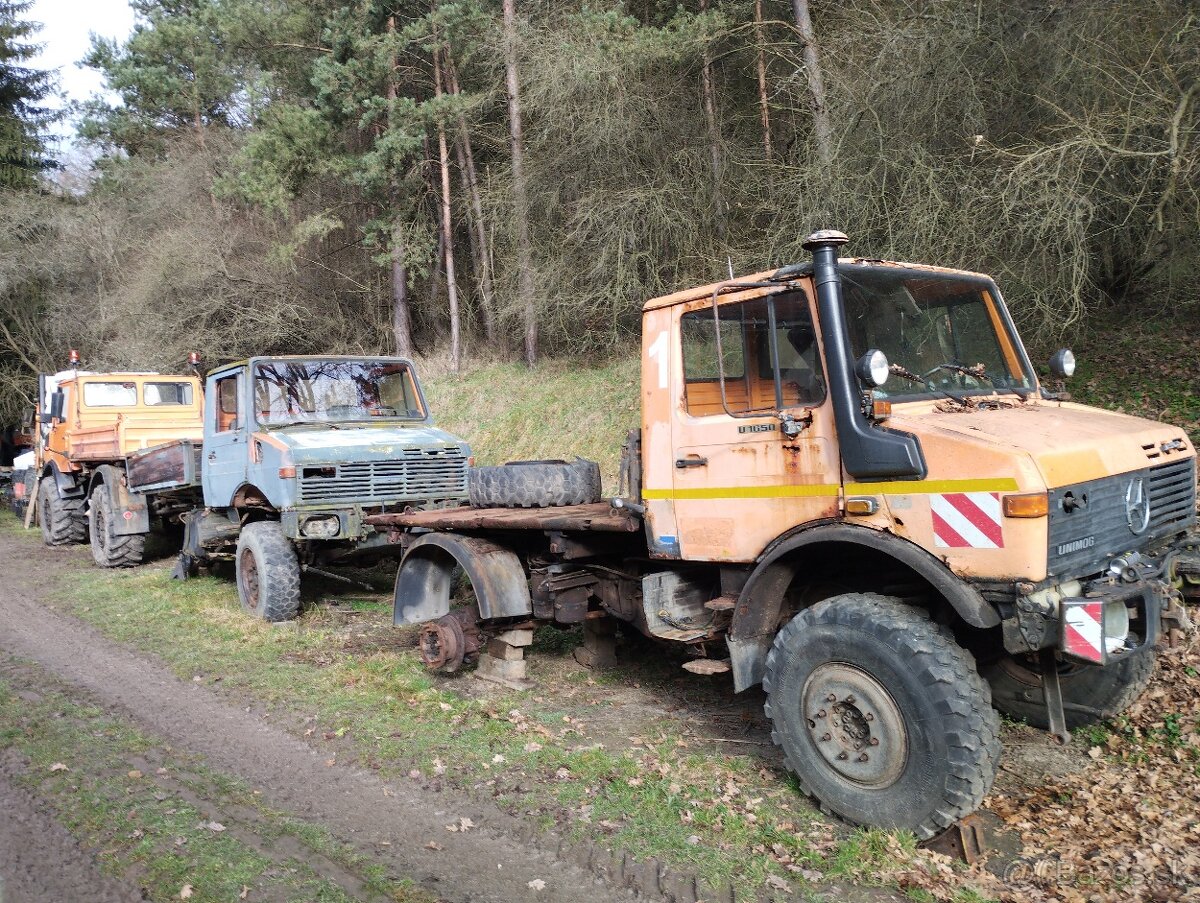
(761, 600)
(426, 578)
(131, 511)
(68, 486)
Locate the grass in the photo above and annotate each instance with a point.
(350, 678)
(1147, 369)
(98, 774)
(560, 410)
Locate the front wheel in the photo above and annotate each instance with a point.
(62, 520)
(881, 715)
(1090, 693)
(268, 572)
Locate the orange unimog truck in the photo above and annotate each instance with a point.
(850, 487)
(89, 423)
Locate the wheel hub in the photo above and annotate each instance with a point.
(248, 574)
(445, 644)
(855, 724)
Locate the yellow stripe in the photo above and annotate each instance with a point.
(744, 492)
(827, 490)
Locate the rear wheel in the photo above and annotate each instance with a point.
(1090, 693)
(109, 549)
(268, 572)
(62, 520)
(881, 715)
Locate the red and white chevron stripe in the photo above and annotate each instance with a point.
(1083, 631)
(967, 520)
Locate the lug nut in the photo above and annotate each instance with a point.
(831, 698)
(868, 717)
(821, 714)
(850, 700)
(874, 741)
(842, 755)
(863, 757)
(858, 746)
(825, 738)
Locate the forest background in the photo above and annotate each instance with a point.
(481, 180)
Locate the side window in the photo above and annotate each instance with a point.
(228, 416)
(746, 352)
(155, 394)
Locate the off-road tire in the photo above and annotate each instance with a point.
(945, 753)
(108, 549)
(1090, 693)
(267, 572)
(534, 484)
(62, 520)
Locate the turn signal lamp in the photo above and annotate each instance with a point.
(881, 410)
(1034, 504)
(73, 358)
(194, 358)
(287, 473)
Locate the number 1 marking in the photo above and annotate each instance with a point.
(658, 350)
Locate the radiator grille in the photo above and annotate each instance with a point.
(416, 474)
(1082, 539)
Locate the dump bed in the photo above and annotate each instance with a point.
(175, 465)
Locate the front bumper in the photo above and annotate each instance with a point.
(1087, 620)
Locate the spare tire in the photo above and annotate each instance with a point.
(534, 484)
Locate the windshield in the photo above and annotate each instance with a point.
(335, 391)
(942, 333)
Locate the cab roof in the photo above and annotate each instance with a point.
(790, 273)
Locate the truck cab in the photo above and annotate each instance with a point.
(297, 451)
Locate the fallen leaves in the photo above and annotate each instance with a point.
(536, 884)
(59, 766)
(463, 825)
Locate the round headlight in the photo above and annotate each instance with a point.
(1062, 363)
(873, 367)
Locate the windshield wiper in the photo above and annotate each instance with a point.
(976, 372)
(904, 373)
(307, 423)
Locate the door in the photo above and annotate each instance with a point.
(739, 480)
(226, 430)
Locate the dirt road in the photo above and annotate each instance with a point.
(392, 822)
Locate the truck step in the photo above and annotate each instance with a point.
(721, 603)
(708, 666)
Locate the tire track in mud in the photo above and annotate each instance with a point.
(390, 821)
(40, 862)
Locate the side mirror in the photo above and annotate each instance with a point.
(872, 368)
(57, 401)
(1062, 363)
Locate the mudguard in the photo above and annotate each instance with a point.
(425, 580)
(759, 605)
(131, 513)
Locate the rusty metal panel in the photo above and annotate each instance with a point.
(599, 516)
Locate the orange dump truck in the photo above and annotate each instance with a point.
(849, 487)
(89, 424)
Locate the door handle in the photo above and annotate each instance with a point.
(681, 463)
(212, 456)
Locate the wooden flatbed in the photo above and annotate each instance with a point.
(600, 516)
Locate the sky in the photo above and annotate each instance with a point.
(66, 29)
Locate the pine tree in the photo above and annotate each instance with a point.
(22, 90)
